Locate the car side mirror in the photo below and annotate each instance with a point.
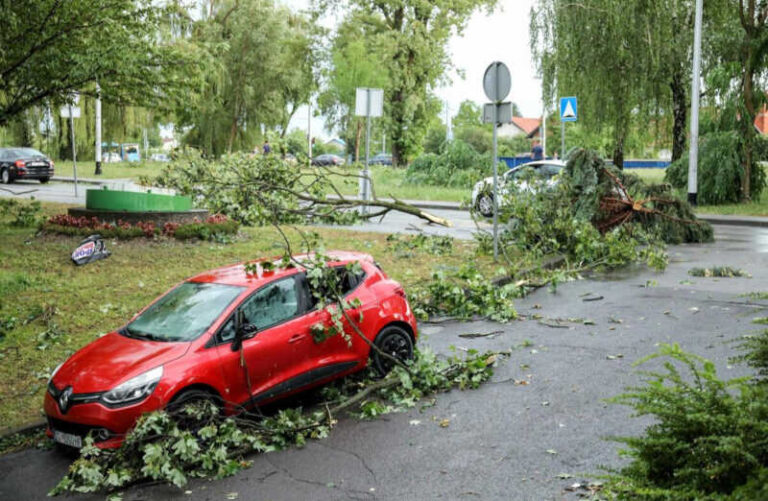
(243, 330)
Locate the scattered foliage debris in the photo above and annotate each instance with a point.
(719, 271)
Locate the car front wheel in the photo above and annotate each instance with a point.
(485, 204)
(395, 342)
(5, 176)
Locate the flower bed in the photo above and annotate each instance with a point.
(211, 227)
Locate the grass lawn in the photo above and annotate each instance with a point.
(36, 273)
(119, 170)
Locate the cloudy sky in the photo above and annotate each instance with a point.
(500, 36)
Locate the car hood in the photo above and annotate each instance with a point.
(112, 359)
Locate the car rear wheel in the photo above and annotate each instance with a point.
(395, 342)
(485, 204)
(44, 180)
(5, 176)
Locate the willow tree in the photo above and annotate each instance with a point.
(355, 60)
(753, 58)
(625, 59)
(416, 35)
(50, 48)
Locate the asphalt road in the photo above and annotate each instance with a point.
(497, 443)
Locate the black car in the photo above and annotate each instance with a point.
(24, 163)
(381, 159)
(327, 159)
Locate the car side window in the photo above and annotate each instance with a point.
(348, 282)
(551, 171)
(227, 332)
(274, 303)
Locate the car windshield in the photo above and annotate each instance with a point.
(184, 313)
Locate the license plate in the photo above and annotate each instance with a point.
(68, 439)
(38, 164)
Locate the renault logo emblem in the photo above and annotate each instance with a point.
(64, 399)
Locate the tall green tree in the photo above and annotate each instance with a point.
(753, 56)
(50, 48)
(623, 72)
(357, 60)
(416, 35)
(260, 71)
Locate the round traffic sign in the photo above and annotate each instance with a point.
(497, 81)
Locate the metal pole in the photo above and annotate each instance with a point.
(562, 137)
(693, 156)
(544, 133)
(309, 130)
(366, 172)
(74, 152)
(98, 130)
(495, 185)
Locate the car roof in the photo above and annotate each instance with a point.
(537, 163)
(235, 274)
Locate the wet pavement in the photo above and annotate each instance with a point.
(543, 414)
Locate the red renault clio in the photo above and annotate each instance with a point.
(188, 343)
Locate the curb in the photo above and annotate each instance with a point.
(717, 219)
(27, 428)
(87, 180)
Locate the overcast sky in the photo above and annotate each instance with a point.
(501, 36)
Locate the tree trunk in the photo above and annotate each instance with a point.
(618, 154)
(680, 115)
(748, 120)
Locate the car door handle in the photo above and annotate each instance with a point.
(297, 337)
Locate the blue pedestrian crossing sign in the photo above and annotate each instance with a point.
(569, 109)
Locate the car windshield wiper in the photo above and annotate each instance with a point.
(140, 335)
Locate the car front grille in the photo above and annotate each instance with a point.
(37, 171)
(76, 428)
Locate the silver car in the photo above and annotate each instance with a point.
(482, 192)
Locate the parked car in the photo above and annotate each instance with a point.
(327, 159)
(24, 163)
(381, 159)
(188, 344)
(110, 158)
(482, 192)
(159, 157)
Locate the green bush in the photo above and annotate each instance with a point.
(709, 439)
(719, 172)
(457, 165)
(22, 213)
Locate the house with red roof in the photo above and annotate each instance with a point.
(761, 121)
(521, 126)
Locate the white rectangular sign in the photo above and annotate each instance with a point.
(364, 108)
(75, 112)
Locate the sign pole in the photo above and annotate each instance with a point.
(366, 172)
(693, 156)
(74, 152)
(98, 130)
(562, 138)
(495, 187)
(309, 131)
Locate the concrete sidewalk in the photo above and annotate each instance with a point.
(735, 220)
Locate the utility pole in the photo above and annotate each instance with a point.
(74, 150)
(309, 131)
(98, 130)
(544, 133)
(693, 156)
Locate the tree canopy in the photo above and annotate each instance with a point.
(75, 43)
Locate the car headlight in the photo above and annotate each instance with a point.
(135, 389)
(54, 372)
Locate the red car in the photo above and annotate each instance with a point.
(186, 345)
